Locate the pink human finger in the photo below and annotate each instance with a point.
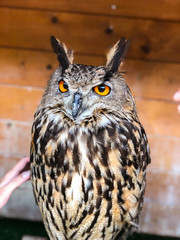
(14, 171)
(5, 191)
(17, 181)
(176, 96)
(178, 109)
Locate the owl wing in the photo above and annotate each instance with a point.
(124, 156)
(131, 154)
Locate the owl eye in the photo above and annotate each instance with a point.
(63, 86)
(102, 89)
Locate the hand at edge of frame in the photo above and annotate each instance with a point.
(13, 179)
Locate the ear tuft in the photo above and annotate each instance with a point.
(70, 55)
(64, 57)
(116, 55)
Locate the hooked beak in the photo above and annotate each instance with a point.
(76, 104)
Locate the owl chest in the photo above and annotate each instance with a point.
(79, 177)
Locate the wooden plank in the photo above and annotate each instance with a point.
(160, 214)
(6, 162)
(165, 152)
(158, 117)
(15, 143)
(15, 138)
(20, 104)
(161, 9)
(33, 68)
(152, 79)
(163, 187)
(160, 219)
(90, 33)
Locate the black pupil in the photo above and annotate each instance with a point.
(65, 85)
(101, 88)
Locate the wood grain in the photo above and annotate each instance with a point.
(162, 9)
(19, 103)
(160, 213)
(14, 139)
(165, 152)
(160, 219)
(153, 80)
(152, 40)
(158, 117)
(163, 187)
(33, 68)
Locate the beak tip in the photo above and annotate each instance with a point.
(74, 114)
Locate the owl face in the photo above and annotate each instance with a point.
(81, 91)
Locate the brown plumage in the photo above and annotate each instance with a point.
(89, 152)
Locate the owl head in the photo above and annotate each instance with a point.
(81, 91)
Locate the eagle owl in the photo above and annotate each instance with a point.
(89, 152)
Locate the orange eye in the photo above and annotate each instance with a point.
(63, 86)
(102, 90)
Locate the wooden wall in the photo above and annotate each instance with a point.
(91, 28)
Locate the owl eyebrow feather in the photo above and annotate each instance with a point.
(107, 76)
